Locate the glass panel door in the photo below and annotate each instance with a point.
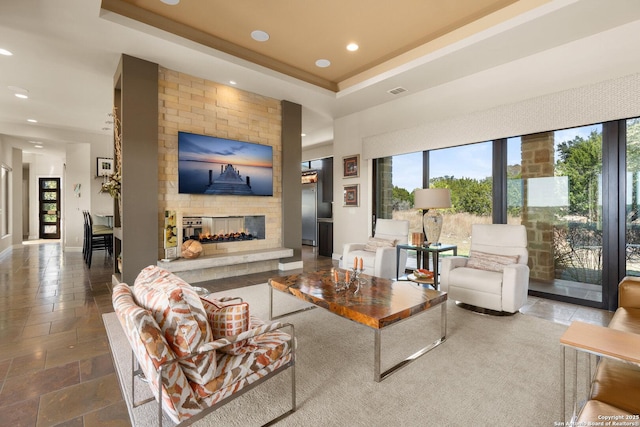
(632, 230)
(49, 208)
(555, 190)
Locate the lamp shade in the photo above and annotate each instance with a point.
(432, 198)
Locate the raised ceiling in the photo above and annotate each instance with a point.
(302, 32)
(66, 52)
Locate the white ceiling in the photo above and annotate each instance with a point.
(65, 54)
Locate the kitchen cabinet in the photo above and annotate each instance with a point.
(325, 237)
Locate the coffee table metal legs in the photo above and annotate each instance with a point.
(279, 316)
(379, 376)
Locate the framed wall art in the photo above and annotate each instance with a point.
(351, 195)
(351, 166)
(104, 166)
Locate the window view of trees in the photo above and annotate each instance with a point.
(633, 198)
(554, 188)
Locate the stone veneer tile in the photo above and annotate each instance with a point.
(4, 368)
(21, 414)
(28, 386)
(68, 403)
(27, 364)
(77, 352)
(96, 367)
(115, 415)
(36, 330)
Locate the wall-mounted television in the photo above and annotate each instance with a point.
(219, 166)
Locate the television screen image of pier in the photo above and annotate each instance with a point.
(210, 165)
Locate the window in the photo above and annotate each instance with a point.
(632, 222)
(467, 172)
(554, 188)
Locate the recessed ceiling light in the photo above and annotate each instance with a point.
(303, 134)
(170, 2)
(5, 52)
(232, 82)
(37, 146)
(21, 96)
(352, 47)
(323, 63)
(260, 36)
(32, 120)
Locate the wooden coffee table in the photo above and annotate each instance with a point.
(378, 303)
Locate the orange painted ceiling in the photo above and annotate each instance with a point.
(303, 31)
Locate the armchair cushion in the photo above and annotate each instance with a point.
(226, 321)
(265, 353)
(490, 262)
(374, 243)
(179, 313)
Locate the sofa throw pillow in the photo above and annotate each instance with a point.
(374, 243)
(226, 321)
(177, 309)
(490, 262)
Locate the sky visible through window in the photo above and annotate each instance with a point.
(467, 161)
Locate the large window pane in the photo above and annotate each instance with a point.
(467, 171)
(633, 198)
(555, 190)
(397, 178)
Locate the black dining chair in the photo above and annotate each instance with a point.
(96, 237)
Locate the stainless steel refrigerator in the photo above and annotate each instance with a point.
(310, 214)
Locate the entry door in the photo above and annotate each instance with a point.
(49, 208)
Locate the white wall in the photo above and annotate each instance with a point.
(101, 203)
(6, 158)
(367, 133)
(16, 197)
(77, 172)
(319, 151)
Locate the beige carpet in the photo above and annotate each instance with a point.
(491, 371)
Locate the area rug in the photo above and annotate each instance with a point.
(491, 371)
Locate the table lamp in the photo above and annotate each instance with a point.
(430, 199)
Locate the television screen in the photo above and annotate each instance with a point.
(211, 165)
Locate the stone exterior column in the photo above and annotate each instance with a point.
(537, 162)
(385, 193)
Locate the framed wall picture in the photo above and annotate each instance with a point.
(351, 195)
(351, 166)
(104, 166)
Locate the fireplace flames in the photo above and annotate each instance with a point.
(207, 237)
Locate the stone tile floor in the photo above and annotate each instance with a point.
(55, 364)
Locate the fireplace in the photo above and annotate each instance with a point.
(223, 229)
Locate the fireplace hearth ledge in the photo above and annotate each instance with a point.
(226, 259)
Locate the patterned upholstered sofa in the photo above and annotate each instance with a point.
(198, 354)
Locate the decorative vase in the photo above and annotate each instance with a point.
(432, 223)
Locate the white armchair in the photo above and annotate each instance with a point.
(496, 275)
(379, 253)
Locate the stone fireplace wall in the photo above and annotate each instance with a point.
(191, 104)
